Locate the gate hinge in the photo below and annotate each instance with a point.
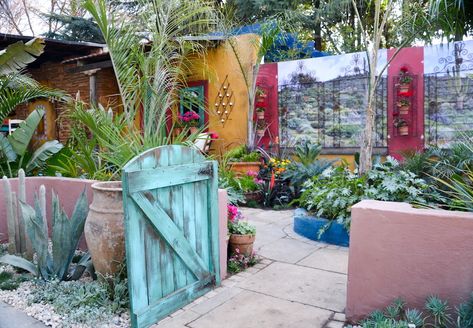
(208, 170)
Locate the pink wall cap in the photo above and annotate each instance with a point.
(407, 208)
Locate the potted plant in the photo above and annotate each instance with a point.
(241, 160)
(405, 79)
(261, 128)
(190, 119)
(260, 94)
(242, 237)
(402, 126)
(404, 105)
(260, 113)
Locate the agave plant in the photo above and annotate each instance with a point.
(65, 238)
(14, 153)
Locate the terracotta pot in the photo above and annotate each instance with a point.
(243, 167)
(404, 87)
(193, 129)
(404, 110)
(256, 196)
(403, 130)
(260, 115)
(244, 243)
(104, 229)
(260, 133)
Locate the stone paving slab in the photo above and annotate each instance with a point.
(315, 287)
(253, 310)
(287, 250)
(13, 318)
(327, 259)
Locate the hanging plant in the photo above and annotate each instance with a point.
(402, 126)
(260, 113)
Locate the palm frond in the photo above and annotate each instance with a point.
(17, 55)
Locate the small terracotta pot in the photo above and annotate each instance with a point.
(260, 133)
(404, 110)
(244, 243)
(260, 115)
(404, 87)
(242, 167)
(256, 196)
(403, 130)
(193, 129)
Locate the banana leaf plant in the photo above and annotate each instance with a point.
(14, 153)
(65, 238)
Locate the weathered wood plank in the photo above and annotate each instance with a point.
(167, 176)
(134, 245)
(174, 301)
(172, 234)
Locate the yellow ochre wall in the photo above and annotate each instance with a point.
(214, 67)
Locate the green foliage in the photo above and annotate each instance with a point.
(242, 154)
(438, 315)
(74, 28)
(8, 281)
(17, 55)
(241, 228)
(65, 238)
(87, 303)
(240, 262)
(305, 165)
(332, 193)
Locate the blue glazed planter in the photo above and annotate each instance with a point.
(308, 226)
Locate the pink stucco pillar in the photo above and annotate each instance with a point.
(223, 214)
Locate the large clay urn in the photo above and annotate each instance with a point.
(104, 230)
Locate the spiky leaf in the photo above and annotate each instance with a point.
(19, 262)
(21, 137)
(39, 240)
(43, 153)
(66, 233)
(17, 55)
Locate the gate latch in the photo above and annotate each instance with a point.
(208, 170)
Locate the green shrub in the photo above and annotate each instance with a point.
(241, 228)
(242, 154)
(332, 193)
(438, 315)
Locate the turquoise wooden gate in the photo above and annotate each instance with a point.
(171, 230)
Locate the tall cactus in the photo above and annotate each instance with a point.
(18, 241)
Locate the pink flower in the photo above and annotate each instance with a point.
(258, 181)
(233, 212)
(252, 174)
(213, 135)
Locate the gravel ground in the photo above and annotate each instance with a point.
(45, 312)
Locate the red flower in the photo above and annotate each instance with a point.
(404, 69)
(213, 135)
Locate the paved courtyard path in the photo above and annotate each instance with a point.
(299, 283)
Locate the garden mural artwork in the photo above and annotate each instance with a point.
(323, 100)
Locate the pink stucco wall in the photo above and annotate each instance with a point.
(67, 189)
(70, 189)
(223, 230)
(398, 251)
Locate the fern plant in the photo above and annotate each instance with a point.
(65, 238)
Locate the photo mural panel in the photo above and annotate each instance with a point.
(323, 100)
(448, 92)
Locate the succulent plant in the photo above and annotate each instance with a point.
(65, 238)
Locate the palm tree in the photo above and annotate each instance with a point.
(151, 58)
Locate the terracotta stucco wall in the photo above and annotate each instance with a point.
(399, 251)
(219, 63)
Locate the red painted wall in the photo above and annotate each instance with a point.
(413, 58)
(268, 80)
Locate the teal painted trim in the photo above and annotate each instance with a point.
(200, 91)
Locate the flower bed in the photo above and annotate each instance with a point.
(309, 227)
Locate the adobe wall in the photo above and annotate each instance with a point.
(400, 251)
